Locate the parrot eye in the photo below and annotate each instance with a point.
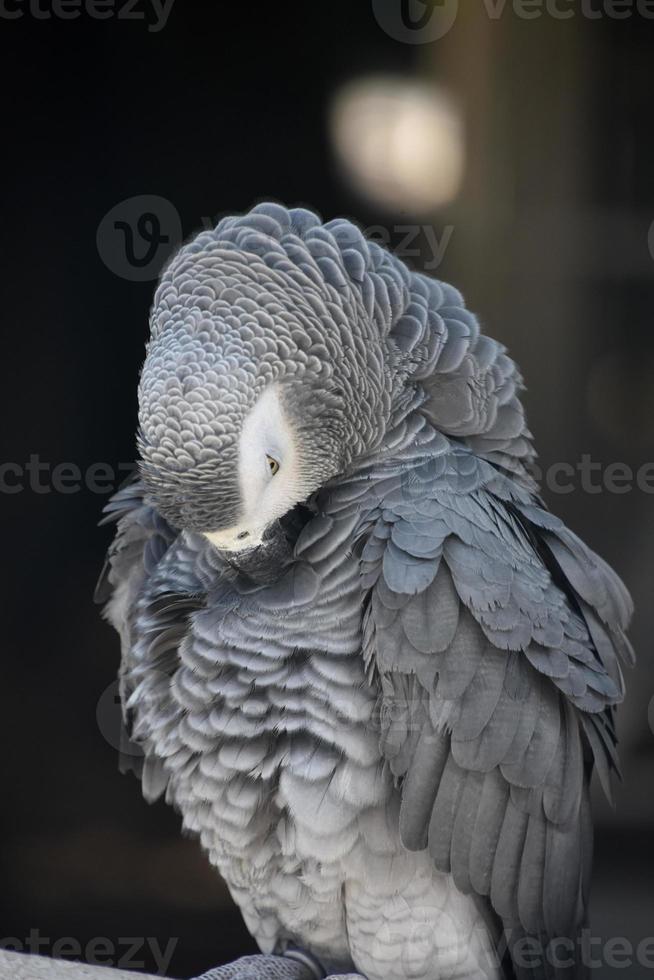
(273, 465)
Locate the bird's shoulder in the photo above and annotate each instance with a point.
(435, 511)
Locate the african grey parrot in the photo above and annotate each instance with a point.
(362, 659)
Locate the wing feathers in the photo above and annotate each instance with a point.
(488, 825)
(443, 815)
(420, 787)
(464, 828)
(507, 861)
(510, 629)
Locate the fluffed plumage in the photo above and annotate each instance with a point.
(381, 721)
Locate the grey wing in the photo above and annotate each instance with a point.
(496, 634)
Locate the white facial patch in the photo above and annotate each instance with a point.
(266, 435)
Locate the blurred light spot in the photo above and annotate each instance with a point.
(399, 141)
(620, 398)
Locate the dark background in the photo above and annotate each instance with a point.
(226, 105)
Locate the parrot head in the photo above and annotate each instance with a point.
(282, 351)
(253, 393)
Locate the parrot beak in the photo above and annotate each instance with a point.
(263, 560)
